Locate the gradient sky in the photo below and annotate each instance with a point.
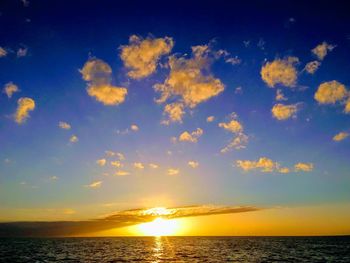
(60, 53)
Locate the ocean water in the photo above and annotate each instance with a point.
(176, 249)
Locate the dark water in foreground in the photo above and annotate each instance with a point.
(176, 249)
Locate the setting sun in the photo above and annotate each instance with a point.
(159, 227)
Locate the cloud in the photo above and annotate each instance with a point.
(153, 165)
(210, 119)
(340, 136)
(322, 49)
(73, 139)
(110, 153)
(312, 66)
(280, 96)
(101, 162)
(98, 75)
(114, 220)
(64, 125)
(191, 137)
(172, 171)
(139, 166)
(22, 52)
(284, 112)
(134, 127)
(24, 106)
(280, 71)
(54, 178)
(10, 88)
(117, 164)
(232, 126)
(284, 170)
(305, 167)
(347, 106)
(108, 95)
(96, 184)
(3, 52)
(330, 92)
(190, 81)
(121, 173)
(175, 112)
(142, 56)
(193, 164)
(235, 127)
(264, 164)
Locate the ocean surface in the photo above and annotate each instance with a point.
(176, 249)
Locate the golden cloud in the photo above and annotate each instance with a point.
(191, 137)
(139, 166)
(172, 171)
(108, 95)
(142, 56)
(24, 106)
(3, 52)
(190, 80)
(340, 136)
(210, 119)
(98, 75)
(347, 106)
(280, 71)
(10, 88)
(284, 112)
(330, 92)
(322, 49)
(101, 162)
(312, 66)
(280, 96)
(121, 173)
(175, 112)
(96, 184)
(116, 164)
(64, 125)
(305, 167)
(233, 126)
(153, 165)
(193, 164)
(73, 139)
(264, 164)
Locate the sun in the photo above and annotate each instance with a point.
(159, 227)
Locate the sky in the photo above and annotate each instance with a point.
(239, 110)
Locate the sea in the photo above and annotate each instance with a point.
(176, 249)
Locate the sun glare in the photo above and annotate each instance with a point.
(159, 227)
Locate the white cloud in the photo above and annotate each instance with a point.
(10, 89)
(22, 52)
(142, 56)
(25, 105)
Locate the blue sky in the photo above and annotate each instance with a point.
(42, 169)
